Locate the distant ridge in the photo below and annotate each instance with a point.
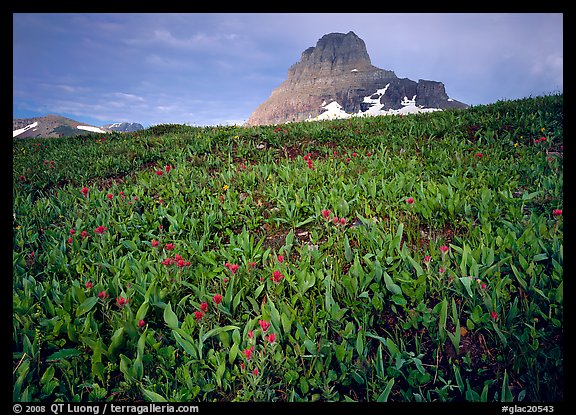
(124, 127)
(51, 126)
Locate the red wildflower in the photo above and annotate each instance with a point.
(102, 295)
(84, 234)
(72, 231)
(277, 276)
(232, 267)
(410, 200)
(100, 229)
(335, 220)
(217, 298)
(167, 168)
(248, 352)
(121, 301)
(141, 323)
(479, 155)
(154, 242)
(85, 191)
(342, 221)
(444, 249)
(70, 240)
(169, 247)
(255, 371)
(89, 285)
(557, 212)
(427, 259)
(280, 258)
(204, 307)
(494, 315)
(159, 172)
(180, 263)
(264, 325)
(110, 196)
(198, 315)
(326, 213)
(167, 261)
(251, 334)
(271, 338)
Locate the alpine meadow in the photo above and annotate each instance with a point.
(400, 258)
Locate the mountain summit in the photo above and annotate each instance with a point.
(336, 79)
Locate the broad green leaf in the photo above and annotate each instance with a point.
(347, 250)
(505, 394)
(386, 392)
(217, 330)
(153, 396)
(185, 343)
(466, 281)
(86, 306)
(170, 317)
(130, 245)
(64, 354)
(392, 348)
(390, 285)
(142, 310)
(116, 341)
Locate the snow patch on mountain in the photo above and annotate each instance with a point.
(334, 110)
(91, 129)
(22, 130)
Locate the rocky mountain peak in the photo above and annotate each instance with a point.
(338, 69)
(336, 51)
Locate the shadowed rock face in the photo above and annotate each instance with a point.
(339, 69)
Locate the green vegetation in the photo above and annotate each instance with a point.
(415, 258)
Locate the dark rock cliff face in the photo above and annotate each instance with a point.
(339, 69)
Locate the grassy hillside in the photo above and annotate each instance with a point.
(415, 258)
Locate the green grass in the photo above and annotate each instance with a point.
(440, 280)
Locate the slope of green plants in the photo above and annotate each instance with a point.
(398, 258)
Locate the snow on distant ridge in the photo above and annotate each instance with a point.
(92, 129)
(22, 130)
(335, 110)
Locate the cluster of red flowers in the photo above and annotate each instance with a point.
(177, 260)
(232, 267)
(540, 140)
(204, 307)
(99, 230)
(51, 162)
(410, 200)
(308, 161)
(167, 169)
(335, 220)
(110, 196)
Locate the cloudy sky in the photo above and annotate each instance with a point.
(216, 68)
